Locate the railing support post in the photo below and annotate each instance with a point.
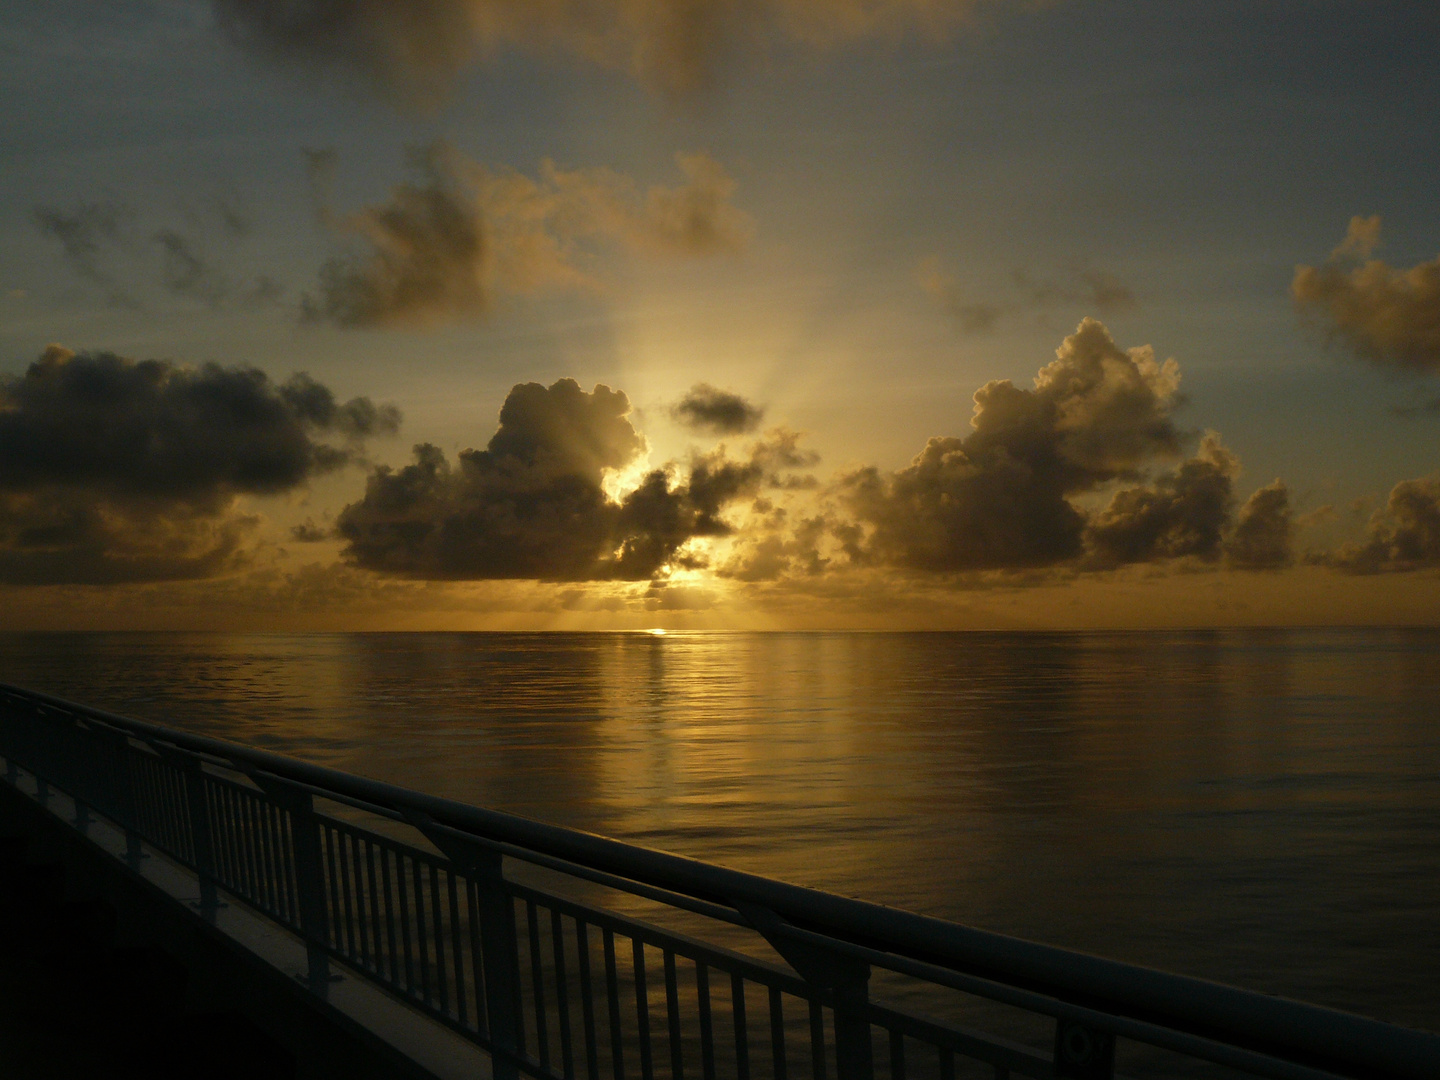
(846, 977)
(202, 843)
(498, 949)
(309, 878)
(502, 962)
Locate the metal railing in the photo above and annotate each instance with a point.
(532, 966)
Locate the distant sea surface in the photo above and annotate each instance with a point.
(1258, 807)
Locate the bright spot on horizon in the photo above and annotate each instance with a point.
(656, 631)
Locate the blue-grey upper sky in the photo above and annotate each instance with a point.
(837, 219)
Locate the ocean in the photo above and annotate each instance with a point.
(1260, 807)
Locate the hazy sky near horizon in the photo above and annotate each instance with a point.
(907, 313)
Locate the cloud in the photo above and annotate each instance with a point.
(417, 50)
(83, 235)
(447, 242)
(114, 469)
(999, 498)
(185, 271)
(1099, 290)
(1095, 290)
(1183, 515)
(533, 503)
(1405, 535)
(1264, 532)
(717, 411)
(1382, 314)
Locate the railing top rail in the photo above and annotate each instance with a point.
(1273, 1025)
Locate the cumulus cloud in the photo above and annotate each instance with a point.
(1000, 496)
(418, 49)
(114, 469)
(1264, 532)
(533, 503)
(1405, 535)
(719, 412)
(1383, 314)
(1181, 515)
(444, 244)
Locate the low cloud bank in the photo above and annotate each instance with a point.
(113, 469)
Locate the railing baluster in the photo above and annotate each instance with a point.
(342, 853)
(457, 944)
(642, 1007)
(377, 942)
(947, 1063)
(404, 922)
(897, 1055)
(422, 942)
(817, 1040)
(562, 992)
(707, 1027)
(472, 904)
(537, 983)
(612, 993)
(587, 999)
(672, 1009)
(441, 982)
(777, 1034)
(742, 1037)
(393, 963)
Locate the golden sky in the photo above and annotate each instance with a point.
(800, 314)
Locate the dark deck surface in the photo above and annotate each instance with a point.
(74, 1007)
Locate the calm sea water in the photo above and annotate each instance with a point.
(1259, 807)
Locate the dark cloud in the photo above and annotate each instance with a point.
(533, 503)
(1183, 515)
(83, 235)
(1405, 535)
(445, 243)
(1264, 533)
(184, 271)
(128, 470)
(417, 49)
(999, 498)
(717, 411)
(1385, 315)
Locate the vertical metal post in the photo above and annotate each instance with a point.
(499, 952)
(309, 878)
(12, 771)
(82, 817)
(310, 884)
(846, 977)
(854, 1054)
(502, 960)
(202, 842)
(42, 790)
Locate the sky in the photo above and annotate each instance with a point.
(776, 314)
